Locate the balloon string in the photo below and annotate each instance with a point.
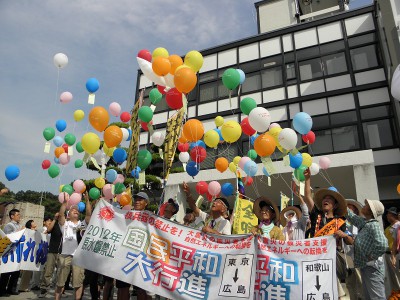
(58, 79)
(327, 178)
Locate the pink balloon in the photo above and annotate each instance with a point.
(243, 161)
(272, 125)
(64, 159)
(78, 185)
(115, 109)
(74, 199)
(61, 197)
(107, 191)
(120, 179)
(66, 97)
(324, 162)
(214, 188)
(127, 207)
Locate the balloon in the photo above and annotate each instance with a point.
(78, 163)
(127, 207)
(274, 132)
(198, 154)
(264, 145)
(253, 138)
(79, 186)
(66, 97)
(265, 172)
(99, 118)
(90, 142)
(12, 172)
(398, 188)
(115, 109)
(145, 125)
(62, 197)
(111, 175)
(125, 134)
(119, 155)
(192, 168)
(92, 85)
(160, 52)
(155, 96)
(309, 138)
(231, 78)
(274, 125)
(112, 136)
(145, 54)
(287, 138)
(144, 159)
(299, 173)
(174, 99)
(199, 143)
(125, 117)
(182, 139)
(158, 138)
(58, 141)
(236, 160)
(135, 172)
(175, 61)
(221, 164)
(64, 159)
(242, 76)
(194, 60)
(307, 159)
(183, 147)
(79, 115)
(248, 180)
(302, 122)
(314, 169)
(81, 206)
(221, 139)
(65, 147)
(219, 121)
(99, 182)
(247, 105)
(324, 162)
(60, 60)
(67, 189)
(120, 179)
(184, 157)
(214, 188)
(145, 114)
(46, 164)
(395, 90)
(211, 138)
(227, 189)
(108, 151)
(185, 80)
(232, 167)
(125, 199)
(61, 125)
(49, 133)
(246, 127)
(58, 151)
(119, 188)
(70, 139)
(56, 160)
(243, 160)
(78, 147)
(74, 199)
(231, 131)
(252, 154)
(250, 168)
(161, 66)
(53, 171)
(107, 191)
(193, 130)
(295, 160)
(259, 119)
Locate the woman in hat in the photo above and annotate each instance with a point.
(294, 221)
(267, 214)
(392, 269)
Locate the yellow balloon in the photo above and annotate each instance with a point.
(181, 67)
(211, 138)
(99, 182)
(219, 121)
(231, 131)
(232, 167)
(90, 142)
(274, 131)
(236, 160)
(61, 187)
(79, 115)
(194, 60)
(160, 52)
(108, 151)
(307, 159)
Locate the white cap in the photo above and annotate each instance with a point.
(377, 207)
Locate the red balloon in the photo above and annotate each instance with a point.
(183, 147)
(145, 54)
(125, 117)
(65, 147)
(209, 197)
(145, 125)
(201, 187)
(246, 127)
(198, 154)
(174, 99)
(46, 164)
(248, 180)
(309, 138)
(161, 89)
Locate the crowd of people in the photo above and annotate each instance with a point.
(366, 255)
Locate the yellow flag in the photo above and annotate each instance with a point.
(284, 201)
(134, 143)
(244, 218)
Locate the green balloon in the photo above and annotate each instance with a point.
(67, 188)
(94, 193)
(231, 78)
(299, 173)
(252, 154)
(78, 163)
(144, 159)
(53, 171)
(155, 96)
(119, 188)
(70, 139)
(247, 105)
(145, 114)
(78, 147)
(49, 133)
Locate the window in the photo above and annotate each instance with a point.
(375, 112)
(208, 91)
(378, 134)
(345, 138)
(310, 69)
(332, 47)
(320, 122)
(364, 57)
(307, 53)
(250, 67)
(271, 77)
(192, 96)
(323, 142)
(208, 76)
(363, 39)
(334, 63)
(343, 118)
(290, 71)
(252, 82)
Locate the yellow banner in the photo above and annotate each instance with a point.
(244, 218)
(134, 143)
(284, 201)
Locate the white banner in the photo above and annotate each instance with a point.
(28, 251)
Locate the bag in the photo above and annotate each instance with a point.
(344, 265)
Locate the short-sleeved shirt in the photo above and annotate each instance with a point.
(70, 232)
(221, 225)
(316, 214)
(11, 227)
(55, 245)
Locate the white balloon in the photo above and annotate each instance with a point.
(287, 138)
(169, 80)
(60, 60)
(184, 157)
(158, 138)
(395, 87)
(260, 119)
(314, 169)
(125, 134)
(147, 70)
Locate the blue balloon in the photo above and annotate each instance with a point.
(265, 172)
(111, 175)
(12, 172)
(250, 168)
(192, 168)
(253, 138)
(221, 139)
(242, 75)
(332, 188)
(198, 143)
(135, 172)
(119, 155)
(227, 189)
(92, 85)
(116, 204)
(81, 206)
(302, 122)
(61, 125)
(56, 160)
(130, 134)
(295, 160)
(58, 141)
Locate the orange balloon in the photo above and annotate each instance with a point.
(182, 139)
(175, 61)
(265, 145)
(193, 130)
(113, 136)
(58, 151)
(185, 80)
(221, 164)
(161, 66)
(398, 188)
(98, 118)
(125, 199)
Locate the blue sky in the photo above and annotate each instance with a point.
(101, 39)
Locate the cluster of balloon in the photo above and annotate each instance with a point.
(232, 78)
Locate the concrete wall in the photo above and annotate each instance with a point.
(29, 211)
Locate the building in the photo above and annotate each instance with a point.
(29, 211)
(321, 58)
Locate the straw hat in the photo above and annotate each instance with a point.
(286, 211)
(341, 210)
(268, 202)
(357, 204)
